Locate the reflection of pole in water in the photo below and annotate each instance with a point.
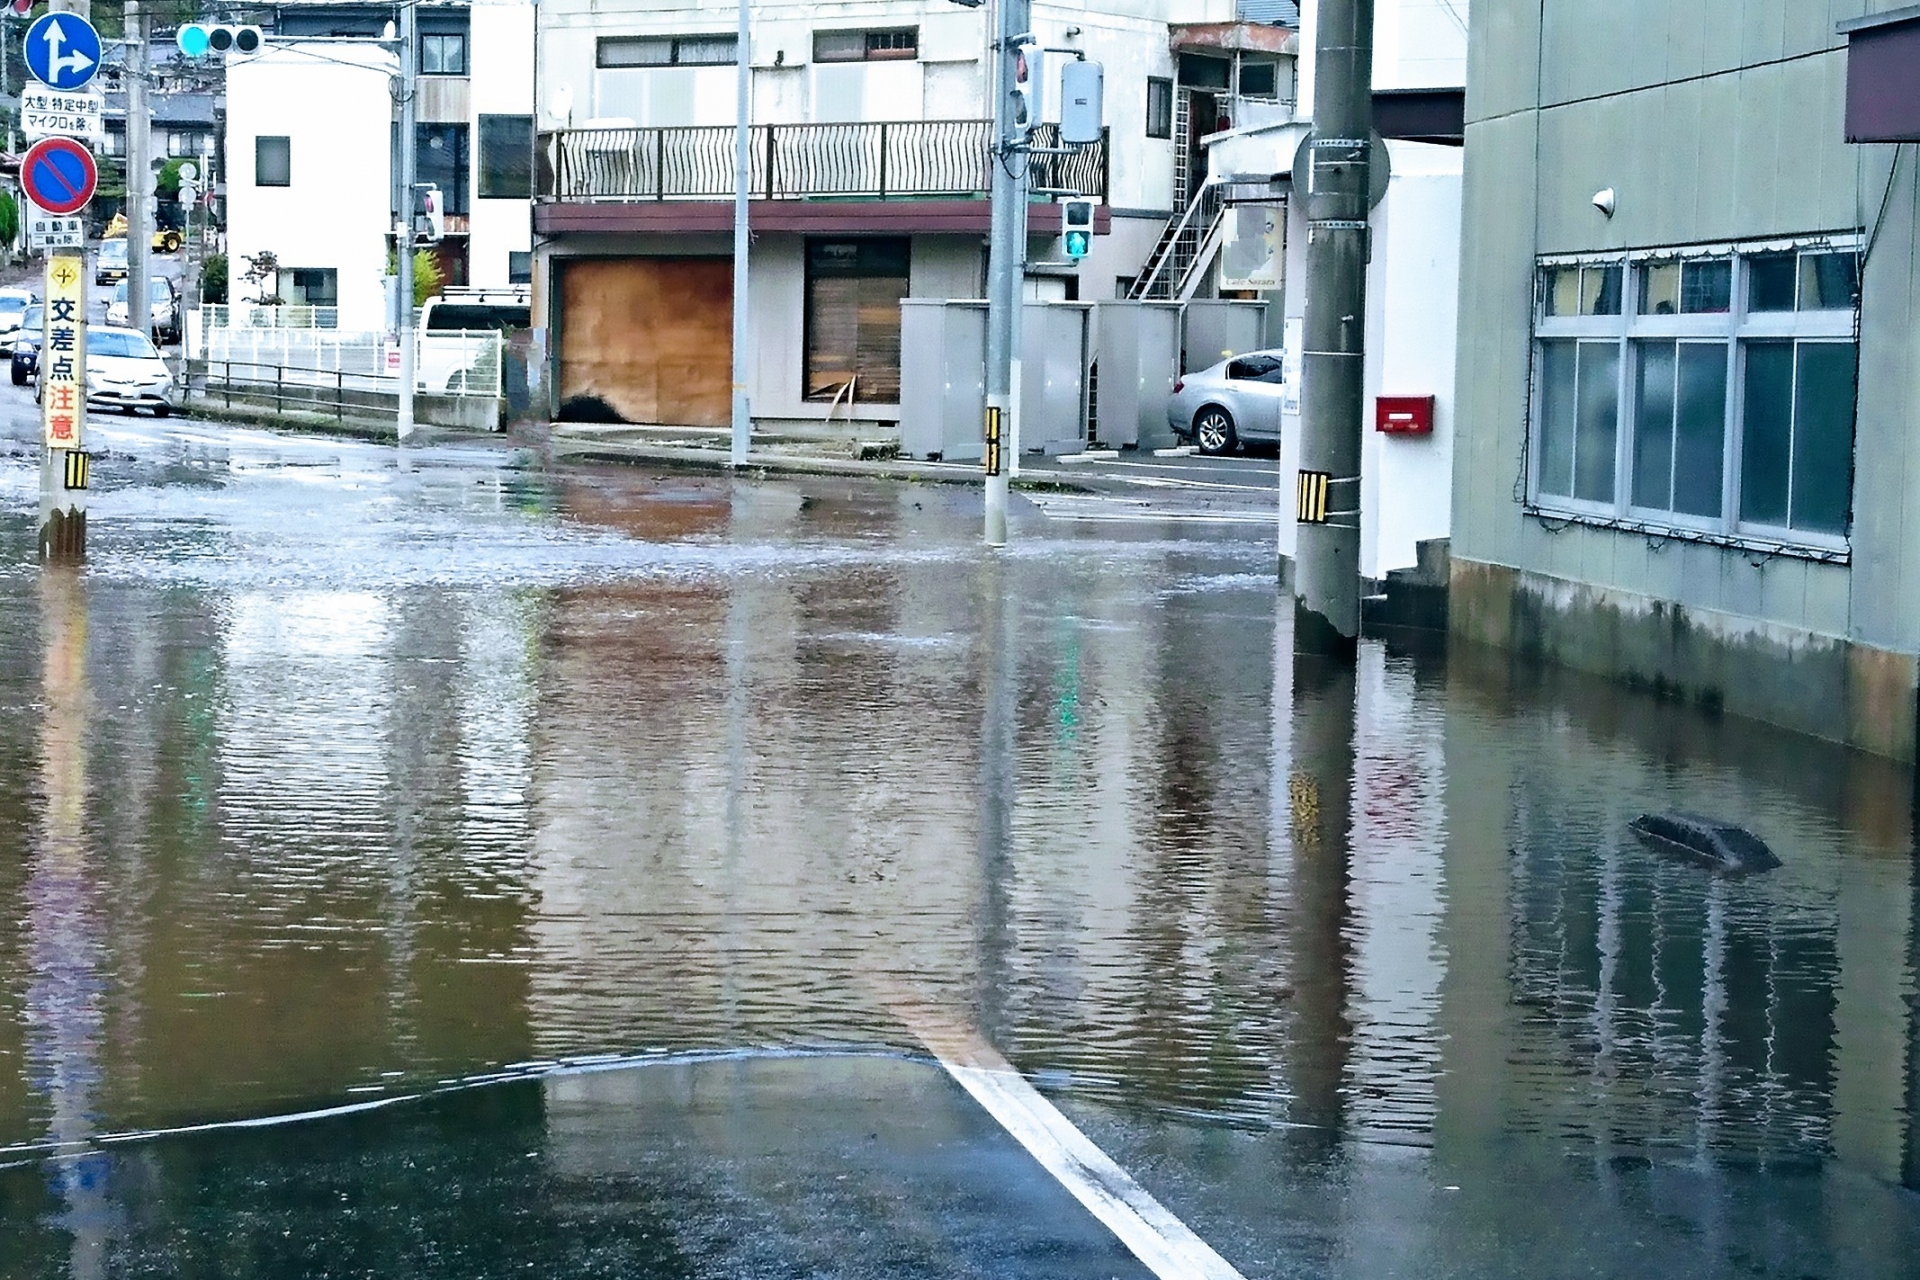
(1319, 827)
(1713, 1012)
(1910, 1160)
(65, 1005)
(997, 729)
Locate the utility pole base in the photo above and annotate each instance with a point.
(63, 535)
(1315, 635)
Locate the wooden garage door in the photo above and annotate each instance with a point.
(647, 340)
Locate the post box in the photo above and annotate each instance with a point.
(1403, 415)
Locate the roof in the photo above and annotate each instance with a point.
(1273, 13)
(201, 109)
(1886, 18)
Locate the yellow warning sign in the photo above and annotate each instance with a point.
(1311, 493)
(63, 354)
(74, 468)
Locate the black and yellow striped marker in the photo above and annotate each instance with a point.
(75, 468)
(993, 440)
(1311, 496)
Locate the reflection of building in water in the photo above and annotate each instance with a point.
(1596, 989)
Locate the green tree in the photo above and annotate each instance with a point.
(9, 220)
(428, 278)
(213, 278)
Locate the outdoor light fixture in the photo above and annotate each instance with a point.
(1603, 201)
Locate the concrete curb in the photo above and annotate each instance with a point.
(577, 449)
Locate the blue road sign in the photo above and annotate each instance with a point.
(62, 50)
(58, 175)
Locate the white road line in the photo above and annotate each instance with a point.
(1167, 1246)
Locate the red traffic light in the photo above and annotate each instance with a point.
(21, 7)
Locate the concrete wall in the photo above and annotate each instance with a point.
(335, 212)
(1712, 123)
(501, 54)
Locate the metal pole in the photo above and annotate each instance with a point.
(1006, 264)
(139, 171)
(403, 227)
(1327, 565)
(742, 137)
(63, 510)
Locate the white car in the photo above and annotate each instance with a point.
(125, 372)
(13, 311)
(1232, 403)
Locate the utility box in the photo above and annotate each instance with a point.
(1082, 109)
(1403, 415)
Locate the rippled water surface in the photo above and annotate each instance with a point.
(331, 781)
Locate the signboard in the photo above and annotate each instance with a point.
(58, 175)
(48, 113)
(62, 51)
(46, 231)
(63, 353)
(1252, 255)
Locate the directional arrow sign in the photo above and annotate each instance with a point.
(58, 175)
(62, 50)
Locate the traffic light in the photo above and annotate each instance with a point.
(429, 214)
(198, 39)
(20, 7)
(1024, 109)
(1076, 227)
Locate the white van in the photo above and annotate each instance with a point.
(461, 331)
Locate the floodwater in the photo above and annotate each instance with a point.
(619, 831)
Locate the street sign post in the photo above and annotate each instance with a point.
(49, 113)
(62, 51)
(63, 353)
(58, 175)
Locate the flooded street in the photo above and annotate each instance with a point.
(635, 838)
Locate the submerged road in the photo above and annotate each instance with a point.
(436, 862)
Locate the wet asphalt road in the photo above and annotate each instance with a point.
(345, 776)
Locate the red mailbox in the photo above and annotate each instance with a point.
(1403, 415)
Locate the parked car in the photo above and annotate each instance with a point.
(111, 262)
(448, 357)
(163, 308)
(125, 372)
(25, 353)
(1228, 404)
(14, 304)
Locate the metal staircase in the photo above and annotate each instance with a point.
(1183, 251)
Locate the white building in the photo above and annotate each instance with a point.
(1414, 275)
(869, 172)
(310, 143)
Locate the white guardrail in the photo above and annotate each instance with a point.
(458, 363)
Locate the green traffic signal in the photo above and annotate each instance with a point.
(193, 40)
(1078, 242)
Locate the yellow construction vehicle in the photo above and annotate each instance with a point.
(166, 240)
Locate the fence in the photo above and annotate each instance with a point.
(220, 315)
(885, 160)
(458, 363)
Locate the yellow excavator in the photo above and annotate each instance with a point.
(166, 240)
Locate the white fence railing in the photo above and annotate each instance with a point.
(462, 363)
(220, 315)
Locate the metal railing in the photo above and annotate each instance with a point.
(220, 315)
(334, 393)
(903, 159)
(448, 362)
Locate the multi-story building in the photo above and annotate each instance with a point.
(1687, 382)
(870, 170)
(314, 187)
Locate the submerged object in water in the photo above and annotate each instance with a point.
(1722, 846)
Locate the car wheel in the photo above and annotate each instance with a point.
(1213, 432)
(162, 410)
(19, 376)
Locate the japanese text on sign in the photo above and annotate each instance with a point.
(63, 394)
(48, 113)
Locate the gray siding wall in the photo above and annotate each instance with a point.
(1712, 120)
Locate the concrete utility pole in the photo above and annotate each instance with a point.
(742, 136)
(139, 171)
(1326, 609)
(403, 226)
(1006, 260)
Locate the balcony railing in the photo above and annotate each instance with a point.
(905, 159)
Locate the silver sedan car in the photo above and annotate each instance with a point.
(1235, 401)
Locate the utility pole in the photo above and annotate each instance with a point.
(742, 137)
(1326, 609)
(63, 463)
(1006, 257)
(403, 226)
(139, 172)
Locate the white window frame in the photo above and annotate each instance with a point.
(1736, 328)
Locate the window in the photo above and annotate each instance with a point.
(506, 157)
(853, 293)
(1256, 369)
(1200, 72)
(440, 157)
(310, 286)
(272, 162)
(188, 142)
(443, 54)
(519, 267)
(866, 46)
(663, 51)
(1259, 80)
(1720, 405)
(1159, 107)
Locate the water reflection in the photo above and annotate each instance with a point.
(364, 798)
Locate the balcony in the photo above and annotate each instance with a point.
(928, 174)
